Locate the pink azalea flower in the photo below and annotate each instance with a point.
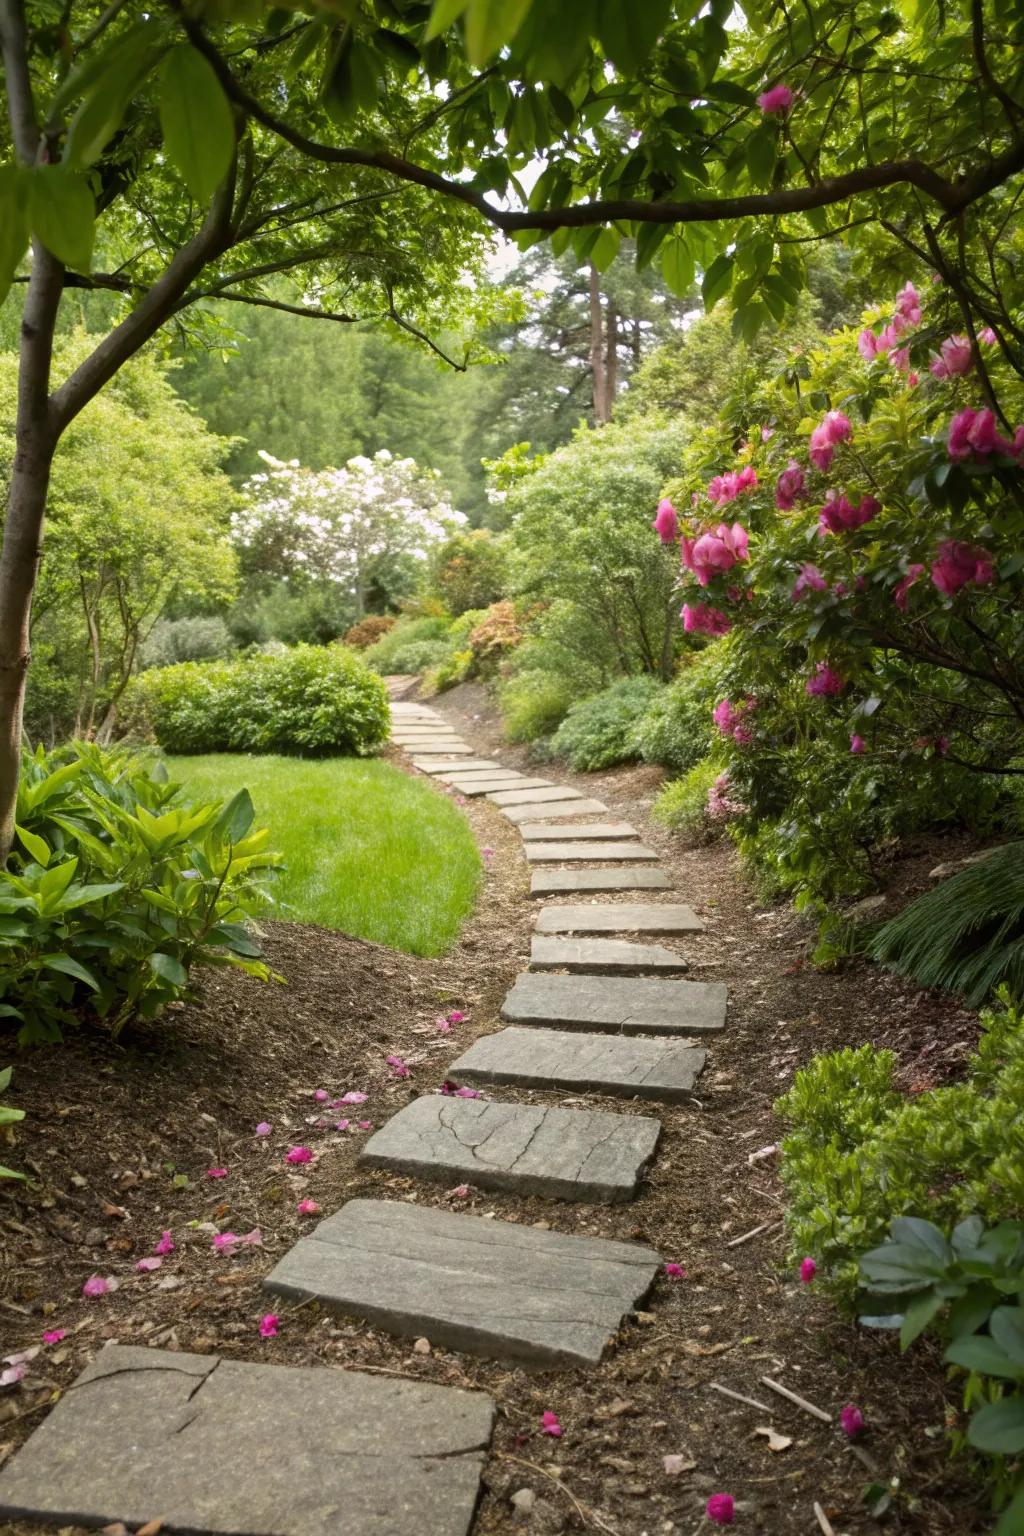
(398, 1066)
(839, 515)
(550, 1425)
(308, 1208)
(226, 1242)
(867, 344)
(54, 1335)
(888, 337)
(957, 564)
(810, 579)
(908, 305)
(899, 357)
(987, 336)
(913, 380)
(776, 102)
(321, 1095)
(165, 1245)
(834, 429)
(731, 719)
(902, 587)
(972, 434)
(808, 1270)
(721, 805)
(720, 1509)
(354, 1097)
(146, 1266)
(858, 744)
(955, 358)
(714, 551)
(461, 1192)
(216, 1173)
(365, 1125)
(96, 1286)
(767, 433)
(675, 1271)
(852, 1420)
(270, 1326)
(263, 1129)
(824, 680)
(789, 487)
(702, 619)
(456, 1017)
(298, 1155)
(468, 1093)
(343, 1125)
(666, 522)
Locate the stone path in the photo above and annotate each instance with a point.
(235, 1449)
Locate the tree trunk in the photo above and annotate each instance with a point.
(611, 362)
(597, 366)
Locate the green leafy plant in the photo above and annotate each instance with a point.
(676, 730)
(534, 703)
(967, 934)
(406, 632)
(682, 805)
(118, 887)
(598, 732)
(8, 1116)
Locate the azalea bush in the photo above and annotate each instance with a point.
(310, 699)
(117, 886)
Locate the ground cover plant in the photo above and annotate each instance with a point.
(365, 848)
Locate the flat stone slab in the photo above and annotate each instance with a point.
(620, 917)
(535, 796)
(586, 831)
(490, 1288)
(440, 765)
(563, 1154)
(563, 853)
(488, 786)
(602, 957)
(553, 810)
(550, 882)
(628, 1005)
(550, 1058)
(218, 1446)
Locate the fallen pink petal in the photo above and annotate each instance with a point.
(851, 1420)
(398, 1066)
(216, 1173)
(366, 1125)
(226, 1242)
(808, 1270)
(96, 1285)
(343, 1125)
(147, 1266)
(270, 1326)
(263, 1129)
(12, 1375)
(253, 1239)
(298, 1155)
(321, 1095)
(456, 1017)
(308, 1208)
(675, 1271)
(461, 1191)
(165, 1245)
(353, 1097)
(442, 1025)
(550, 1425)
(54, 1335)
(720, 1509)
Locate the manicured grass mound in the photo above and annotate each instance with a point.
(366, 849)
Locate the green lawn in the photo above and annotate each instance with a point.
(367, 849)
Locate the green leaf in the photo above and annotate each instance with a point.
(37, 846)
(677, 264)
(5, 1078)
(106, 95)
(169, 968)
(605, 249)
(13, 224)
(62, 214)
(10, 1173)
(1006, 1326)
(70, 967)
(443, 15)
(628, 33)
(196, 120)
(999, 1427)
(648, 239)
(983, 1355)
(236, 818)
(717, 280)
(489, 25)
(918, 1315)
(748, 320)
(760, 154)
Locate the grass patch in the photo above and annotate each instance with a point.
(367, 849)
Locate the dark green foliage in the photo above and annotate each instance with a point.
(677, 729)
(117, 886)
(598, 732)
(311, 700)
(196, 639)
(966, 935)
(407, 632)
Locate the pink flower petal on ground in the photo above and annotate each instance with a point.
(263, 1129)
(398, 1066)
(147, 1266)
(15, 1374)
(456, 1017)
(468, 1093)
(675, 1271)
(366, 1125)
(95, 1286)
(808, 1270)
(488, 853)
(460, 1192)
(343, 1125)
(720, 1509)
(54, 1335)
(253, 1239)
(216, 1173)
(226, 1242)
(165, 1245)
(270, 1326)
(354, 1097)
(442, 1025)
(549, 1424)
(298, 1155)
(321, 1095)
(308, 1208)
(851, 1419)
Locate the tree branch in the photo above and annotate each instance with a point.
(1010, 107)
(21, 108)
(261, 303)
(406, 325)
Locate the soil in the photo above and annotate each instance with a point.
(120, 1137)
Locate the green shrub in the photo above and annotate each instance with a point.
(117, 887)
(381, 655)
(196, 639)
(309, 699)
(682, 806)
(676, 729)
(8, 1116)
(858, 1153)
(598, 732)
(534, 703)
(369, 630)
(419, 655)
(469, 569)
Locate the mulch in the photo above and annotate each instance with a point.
(119, 1138)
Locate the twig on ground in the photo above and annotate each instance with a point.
(581, 1509)
(794, 1397)
(766, 1226)
(823, 1520)
(751, 1402)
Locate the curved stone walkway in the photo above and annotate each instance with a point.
(598, 1010)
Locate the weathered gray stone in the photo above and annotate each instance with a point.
(221, 1446)
(442, 749)
(619, 917)
(488, 786)
(553, 1058)
(602, 957)
(440, 765)
(628, 1005)
(586, 831)
(564, 853)
(490, 1288)
(535, 796)
(406, 739)
(552, 882)
(552, 810)
(564, 1154)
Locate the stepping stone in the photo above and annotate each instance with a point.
(556, 809)
(550, 882)
(438, 765)
(563, 1154)
(487, 786)
(447, 749)
(536, 796)
(620, 917)
(491, 1288)
(227, 1448)
(602, 957)
(551, 1058)
(562, 853)
(589, 831)
(628, 1005)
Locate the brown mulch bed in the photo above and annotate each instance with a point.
(119, 1139)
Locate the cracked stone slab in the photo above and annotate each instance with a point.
(219, 1447)
(564, 853)
(551, 1058)
(602, 957)
(553, 882)
(551, 811)
(491, 1288)
(438, 765)
(535, 796)
(563, 1154)
(620, 917)
(628, 1005)
(473, 786)
(587, 831)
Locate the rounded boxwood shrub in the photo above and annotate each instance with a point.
(598, 732)
(312, 699)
